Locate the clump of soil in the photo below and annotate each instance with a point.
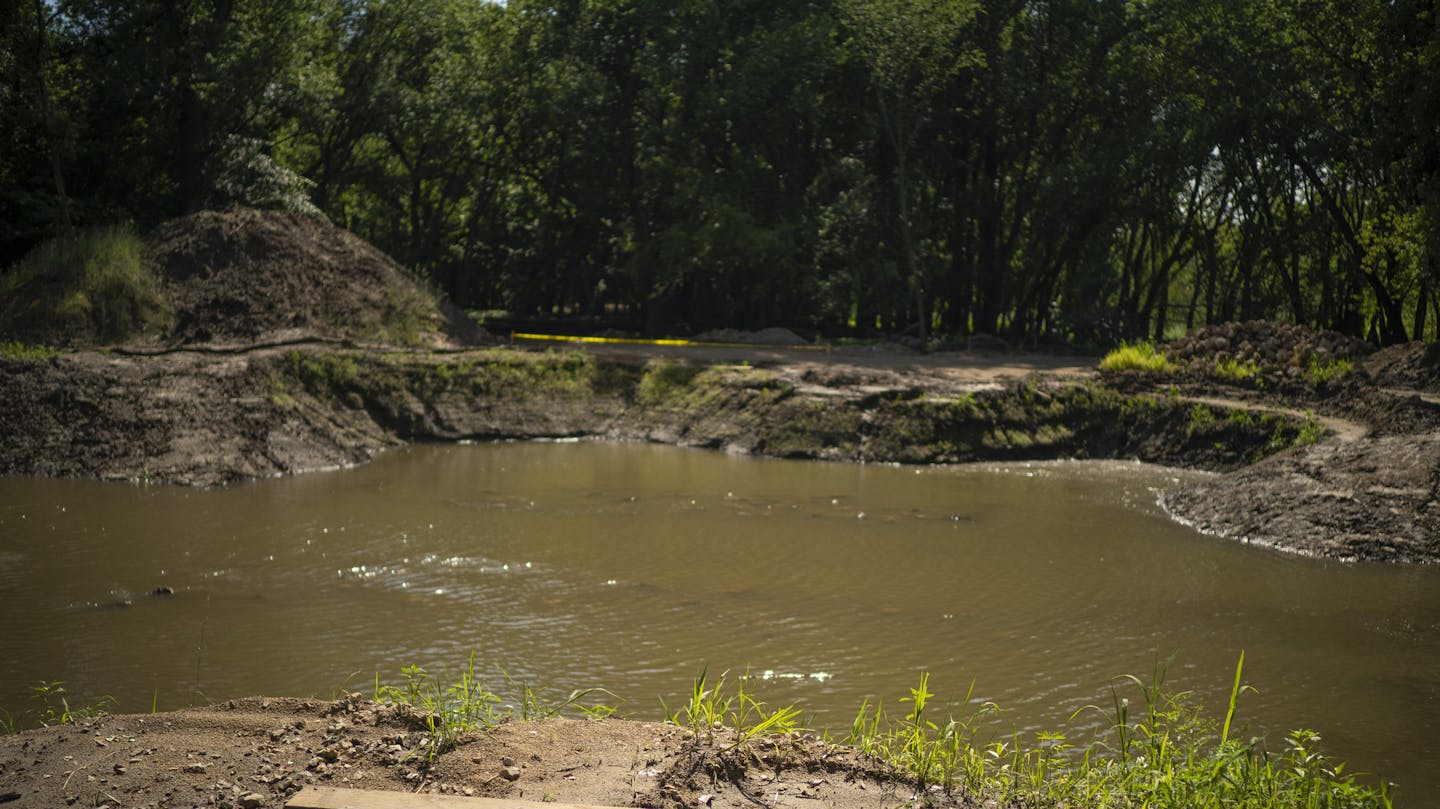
(244, 275)
(256, 753)
(1276, 349)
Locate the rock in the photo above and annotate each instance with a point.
(511, 773)
(163, 590)
(507, 762)
(194, 768)
(251, 800)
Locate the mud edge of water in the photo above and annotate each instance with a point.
(200, 420)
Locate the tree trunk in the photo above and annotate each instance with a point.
(57, 175)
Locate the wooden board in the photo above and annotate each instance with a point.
(332, 798)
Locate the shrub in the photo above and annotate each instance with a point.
(1138, 357)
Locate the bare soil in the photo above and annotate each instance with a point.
(259, 752)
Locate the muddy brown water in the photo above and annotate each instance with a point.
(631, 567)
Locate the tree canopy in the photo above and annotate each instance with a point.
(1066, 170)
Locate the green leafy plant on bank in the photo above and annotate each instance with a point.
(1143, 356)
(1161, 752)
(1237, 370)
(1311, 431)
(713, 708)
(1321, 371)
(54, 708)
(16, 350)
(84, 287)
(451, 709)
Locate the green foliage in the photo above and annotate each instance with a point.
(249, 176)
(15, 350)
(663, 379)
(451, 709)
(712, 708)
(920, 166)
(54, 708)
(1321, 371)
(1236, 371)
(1163, 752)
(1143, 356)
(83, 288)
(1311, 431)
(1202, 419)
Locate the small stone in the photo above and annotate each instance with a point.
(251, 800)
(277, 734)
(195, 768)
(507, 762)
(510, 773)
(329, 754)
(705, 800)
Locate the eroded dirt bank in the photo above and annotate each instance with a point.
(1347, 469)
(282, 354)
(259, 752)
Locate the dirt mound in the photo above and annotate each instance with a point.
(243, 275)
(1277, 349)
(1409, 366)
(773, 336)
(260, 752)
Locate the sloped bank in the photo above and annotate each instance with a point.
(196, 419)
(502, 394)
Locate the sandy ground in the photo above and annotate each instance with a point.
(258, 752)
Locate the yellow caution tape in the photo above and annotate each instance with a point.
(564, 338)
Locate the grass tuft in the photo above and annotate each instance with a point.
(713, 708)
(453, 709)
(16, 350)
(84, 288)
(1236, 370)
(1161, 752)
(1143, 356)
(1321, 371)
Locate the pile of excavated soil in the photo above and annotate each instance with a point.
(255, 753)
(773, 336)
(241, 276)
(1278, 349)
(1408, 366)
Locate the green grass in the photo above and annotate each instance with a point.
(1321, 371)
(1142, 356)
(663, 379)
(1311, 431)
(453, 708)
(1161, 751)
(712, 708)
(1236, 371)
(84, 288)
(52, 708)
(16, 350)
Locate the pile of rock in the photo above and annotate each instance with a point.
(1274, 348)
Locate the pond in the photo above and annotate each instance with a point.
(632, 567)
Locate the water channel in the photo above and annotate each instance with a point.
(631, 567)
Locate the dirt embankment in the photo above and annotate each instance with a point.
(295, 346)
(255, 753)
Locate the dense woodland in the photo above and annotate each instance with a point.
(1071, 170)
